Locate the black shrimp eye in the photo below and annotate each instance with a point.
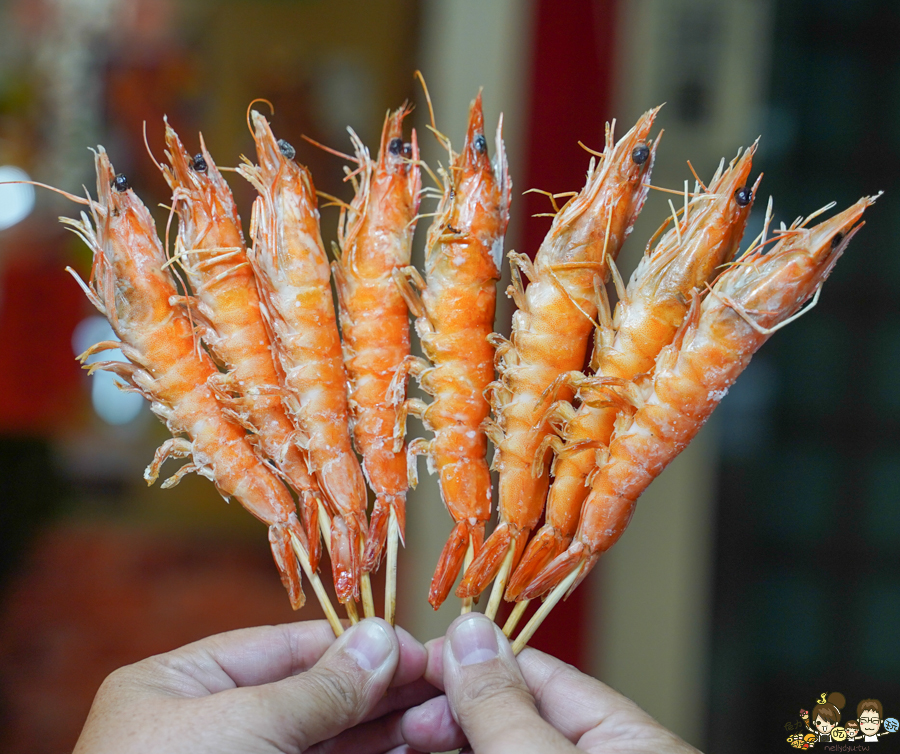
(480, 144)
(286, 149)
(743, 196)
(640, 154)
(396, 146)
(120, 183)
(199, 164)
(407, 150)
(836, 239)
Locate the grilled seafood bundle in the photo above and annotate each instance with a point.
(295, 417)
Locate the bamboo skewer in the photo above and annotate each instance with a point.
(543, 611)
(500, 582)
(514, 617)
(365, 586)
(468, 602)
(317, 586)
(390, 581)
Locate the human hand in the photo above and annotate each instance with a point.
(278, 689)
(538, 704)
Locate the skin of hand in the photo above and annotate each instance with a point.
(267, 690)
(498, 703)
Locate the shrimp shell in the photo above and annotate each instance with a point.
(646, 319)
(551, 330)
(293, 276)
(455, 316)
(130, 285)
(211, 251)
(752, 299)
(375, 237)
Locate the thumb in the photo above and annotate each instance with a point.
(339, 690)
(487, 694)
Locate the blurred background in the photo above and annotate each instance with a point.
(760, 570)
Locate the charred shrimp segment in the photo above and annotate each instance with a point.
(550, 334)
(130, 285)
(751, 300)
(211, 251)
(375, 240)
(455, 316)
(647, 316)
(293, 277)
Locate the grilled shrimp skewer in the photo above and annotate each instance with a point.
(375, 238)
(455, 316)
(210, 249)
(293, 276)
(647, 316)
(130, 285)
(550, 335)
(748, 303)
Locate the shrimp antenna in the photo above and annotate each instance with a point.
(335, 152)
(697, 177)
(669, 191)
(589, 150)
(433, 127)
(147, 147)
(66, 194)
(252, 103)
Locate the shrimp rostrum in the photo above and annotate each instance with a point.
(131, 286)
(753, 298)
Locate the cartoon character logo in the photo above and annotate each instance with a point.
(824, 722)
(870, 714)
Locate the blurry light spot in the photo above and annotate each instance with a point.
(16, 199)
(111, 404)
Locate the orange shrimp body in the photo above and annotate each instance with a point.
(130, 285)
(293, 276)
(455, 316)
(647, 318)
(211, 250)
(716, 342)
(551, 329)
(375, 240)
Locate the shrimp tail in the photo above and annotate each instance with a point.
(451, 559)
(378, 528)
(544, 547)
(309, 513)
(489, 559)
(283, 553)
(578, 556)
(345, 559)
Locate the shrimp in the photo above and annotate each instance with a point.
(550, 334)
(294, 283)
(210, 248)
(455, 316)
(130, 285)
(647, 317)
(756, 296)
(375, 238)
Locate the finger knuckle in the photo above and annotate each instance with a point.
(495, 690)
(334, 691)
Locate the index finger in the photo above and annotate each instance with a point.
(245, 657)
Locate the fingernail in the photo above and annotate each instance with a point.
(369, 644)
(473, 640)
